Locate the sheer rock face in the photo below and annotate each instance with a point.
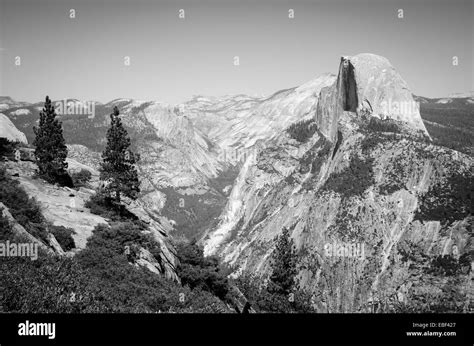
(367, 84)
(381, 90)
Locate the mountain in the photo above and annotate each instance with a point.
(7, 102)
(9, 131)
(373, 182)
(357, 182)
(191, 153)
(449, 123)
(469, 94)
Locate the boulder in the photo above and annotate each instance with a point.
(145, 259)
(55, 245)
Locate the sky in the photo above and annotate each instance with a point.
(171, 58)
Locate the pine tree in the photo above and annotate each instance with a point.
(283, 264)
(118, 166)
(51, 150)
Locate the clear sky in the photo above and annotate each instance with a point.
(172, 59)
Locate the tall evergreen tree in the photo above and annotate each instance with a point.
(51, 150)
(283, 264)
(118, 166)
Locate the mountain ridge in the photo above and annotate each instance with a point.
(338, 160)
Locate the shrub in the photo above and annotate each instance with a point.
(372, 140)
(99, 279)
(81, 178)
(24, 209)
(445, 265)
(7, 148)
(201, 272)
(379, 125)
(448, 200)
(132, 289)
(64, 236)
(105, 206)
(120, 235)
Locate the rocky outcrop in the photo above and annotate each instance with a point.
(55, 245)
(147, 260)
(239, 302)
(20, 231)
(9, 131)
(367, 85)
(159, 227)
(382, 91)
(60, 205)
(63, 206)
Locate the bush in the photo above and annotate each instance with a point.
(24, 209)
(445, 265)
(100, 278)
(61, 178)
(132, 289)
(64, 236)
(119, 235)
(97, 280)
(81, 178)
(448, 200)
(7, 148)
(105, 206)
(379, 125)
(201, 272)
(48, 284)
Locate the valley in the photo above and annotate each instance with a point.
(329, 161)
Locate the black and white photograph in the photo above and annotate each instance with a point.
(185, 163)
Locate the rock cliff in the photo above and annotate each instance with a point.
(368, 183)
